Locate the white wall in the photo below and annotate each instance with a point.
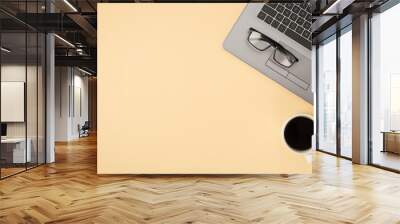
(70, 83)
(62, 81)
(81, 103)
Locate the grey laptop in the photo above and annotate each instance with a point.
(275, 39)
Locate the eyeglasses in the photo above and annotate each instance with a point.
(261, 42)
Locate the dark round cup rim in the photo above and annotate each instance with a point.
(308, 116)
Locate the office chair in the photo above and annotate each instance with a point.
(84, 130)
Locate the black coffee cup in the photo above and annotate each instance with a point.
(298, 132)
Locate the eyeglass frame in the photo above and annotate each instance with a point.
(273, 44)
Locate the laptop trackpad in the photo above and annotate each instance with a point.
(276, 68)
(292, 77)
(302, 69)
(298, 81)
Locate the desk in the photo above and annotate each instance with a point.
(17, 151)
(391, 141)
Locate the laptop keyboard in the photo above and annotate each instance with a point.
(292, 19)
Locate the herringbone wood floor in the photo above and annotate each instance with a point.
(69, 191)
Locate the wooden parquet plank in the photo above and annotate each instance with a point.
(70, 191)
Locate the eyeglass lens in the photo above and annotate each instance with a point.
(261, 43)
(257, 41)
(284, 58)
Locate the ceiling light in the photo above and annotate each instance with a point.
(5, 50)
(64, 40)
(70, 5)
(84, 71)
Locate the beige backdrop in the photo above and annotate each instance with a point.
(171, 100)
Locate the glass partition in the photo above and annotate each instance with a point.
(31, 99)
(22, 88)
(14, 153)
(41, 97)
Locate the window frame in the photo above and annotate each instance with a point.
(334, 37)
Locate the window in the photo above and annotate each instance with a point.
(335, 94)
(327, 96)
(394, 102)
(346, 93)
(385, 89)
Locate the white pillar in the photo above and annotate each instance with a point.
(50, 99)
(360, 90)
